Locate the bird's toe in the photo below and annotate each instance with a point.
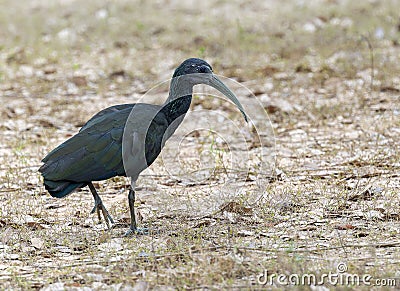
(102, 211)
(94, 209)
(138, 230)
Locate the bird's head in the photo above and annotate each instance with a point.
(193, 66)
(196, 71)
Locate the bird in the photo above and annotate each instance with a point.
(125, 139)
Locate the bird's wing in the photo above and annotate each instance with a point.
(92, 154)
(104, 113)
(95, 153)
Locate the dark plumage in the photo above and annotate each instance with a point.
(93, 154)
(102, 150)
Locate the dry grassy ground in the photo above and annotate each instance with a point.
(327, 73)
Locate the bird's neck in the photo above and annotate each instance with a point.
(179, 99)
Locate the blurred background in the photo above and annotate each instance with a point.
(141, 41)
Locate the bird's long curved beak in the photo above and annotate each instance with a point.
(217, 84)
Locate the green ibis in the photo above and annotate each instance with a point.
(125, 139)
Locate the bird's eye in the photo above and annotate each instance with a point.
(202, 69)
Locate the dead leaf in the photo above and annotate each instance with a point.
(119, 73)
(49, 70)
(202, 223)
(37, 243)
(79, 81)
(268, 70)
(235, 207)
(54, 206)
(366, 194)
(308, 228)
(390, 89)
(344, 226)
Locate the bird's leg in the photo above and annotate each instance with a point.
(131, 199)
(99, 206)
(133, 227)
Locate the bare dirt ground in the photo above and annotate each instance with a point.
(324, 199)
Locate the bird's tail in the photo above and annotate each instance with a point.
(61, 189)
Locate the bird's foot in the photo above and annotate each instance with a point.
(137, 230)
(102, 210)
